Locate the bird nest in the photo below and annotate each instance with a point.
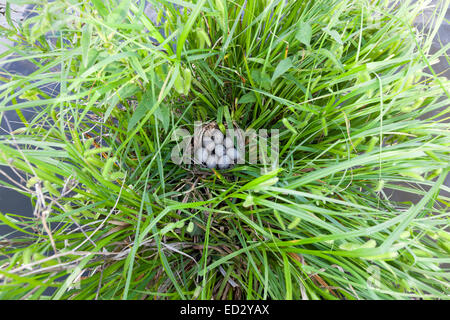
(215, 149)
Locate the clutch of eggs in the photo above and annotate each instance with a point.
(217, 151)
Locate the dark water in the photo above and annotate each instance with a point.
(441, 68)
(13, 202)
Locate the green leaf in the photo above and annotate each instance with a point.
(179, 84)
(349, 246)
(248, 201)
(8, 221)
(108, 167)
(187, 81)
(287, 277)
(188, 27)
(294, 223)
(220, 114)
(281, 68)
(190, 227)
(162, 113)
(202, 38)
(98, 4)
(85, 42)
(31, 95)
(116, 175)
(326, 53)
(304, 33)
(334, 34)
(72, 276)
(120, 12)
(128, 90)
(138, 68)
(261, 78)
(288, 125)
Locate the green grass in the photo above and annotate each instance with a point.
(349, 84)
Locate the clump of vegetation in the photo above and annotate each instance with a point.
(349, 85)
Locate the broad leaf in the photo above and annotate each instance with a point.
(162, 113)
(304, 33)
(282, 67)
(143, 107)
(247, 98)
